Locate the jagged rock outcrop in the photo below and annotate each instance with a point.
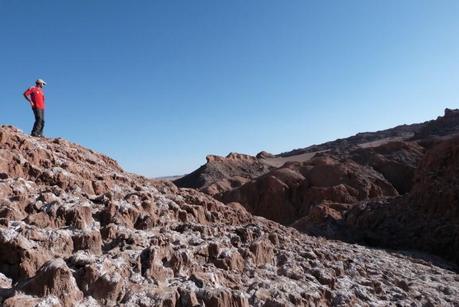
(54, 278)
(139, 242)
(445, 125)
(224, 173)
(264, 155)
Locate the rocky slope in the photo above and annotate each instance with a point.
(364, 139)
(76, 230)
(445, 125)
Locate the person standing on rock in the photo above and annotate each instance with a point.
(36, 98)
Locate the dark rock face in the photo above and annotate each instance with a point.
(131, 241)
(436, 191)
(427, 218)
(396, 161)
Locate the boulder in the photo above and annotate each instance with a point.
(56, 279)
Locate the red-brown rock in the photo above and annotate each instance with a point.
(53, 278)
(142, 242)
(288, 193)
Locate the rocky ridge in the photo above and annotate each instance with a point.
(445, 125)
(76, 230)
(224, 173)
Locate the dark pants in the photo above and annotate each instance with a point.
(39, 122)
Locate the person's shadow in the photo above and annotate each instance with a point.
(5, 293)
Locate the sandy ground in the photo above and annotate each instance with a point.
(381, 142)
(278, 162)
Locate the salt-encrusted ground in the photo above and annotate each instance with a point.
(77, 230)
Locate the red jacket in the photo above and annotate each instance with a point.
(37, 96)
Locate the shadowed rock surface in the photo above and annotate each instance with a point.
(425, 219)
(76, 230)
(396, 161)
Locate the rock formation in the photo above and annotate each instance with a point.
(355, 189)
(292, 191)
(396, 161)
(76, 230)
(445, 125)
(224, 173)
(425, 219)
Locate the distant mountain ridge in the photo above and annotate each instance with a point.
(224, 174)
(398, 132)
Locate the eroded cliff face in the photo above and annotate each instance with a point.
(75, 229)
(292, 191)
(425, 219)
(329, 184)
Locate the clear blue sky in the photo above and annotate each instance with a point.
(158, 85)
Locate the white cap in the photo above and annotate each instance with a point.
(41, 81)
